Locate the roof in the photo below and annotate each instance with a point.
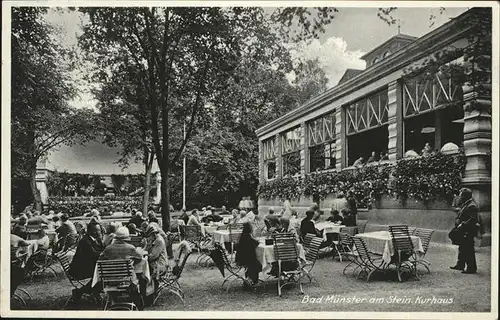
(399, 36)
(348, 74)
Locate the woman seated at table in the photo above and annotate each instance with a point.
(235, 217)
(120, 249)
(132, 229)
(193, 219)
(335, 217)
(307, 225)
(157, 253)
(246, 255)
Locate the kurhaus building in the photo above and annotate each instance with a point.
(413, 91)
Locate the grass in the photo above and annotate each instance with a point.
(469, 293)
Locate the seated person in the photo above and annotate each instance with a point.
(349, 219)
(157, 253)
(136, 218)
(132, 229)
(43, 240)
(66, 233)
(20, 228)
(243, 217)
(110, 234)
(307, 225)
(193, 219)
(83, 264)
(246, 255)
(184, 216)
(17, 242)
(224, 211)
(373, 157)
(211, 216)
(235, 217)
(274, 221)
(250, 216)
(335, 217)
(285, 227)
(294, 221)
(120, 249)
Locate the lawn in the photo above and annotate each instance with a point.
(453, 291)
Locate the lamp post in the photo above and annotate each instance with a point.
(184, 174)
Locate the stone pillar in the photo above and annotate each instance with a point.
(304, 150)
(395, 117)
(42, 174)
(343, 138)
(279, 160)
(438, 133)
(477, 137)
(338, 139)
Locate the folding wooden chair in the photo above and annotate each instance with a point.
(347, 243)
(403, 250)
(312, 253)
(170, 280)
(344, 248)
(367, 262)
(286, 251)
(361, 225)
(117, 279)
(233, 269)
(307, 240)
(425, 236)
(65, 262)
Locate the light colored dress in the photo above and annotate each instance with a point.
(157, 256)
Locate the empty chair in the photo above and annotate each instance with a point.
(368, 263)
(285, 250)
(403, 250)
(425, 236)
(117, 277)
(312, 253)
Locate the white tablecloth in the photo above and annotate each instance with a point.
(265, 254)
(221, 236)
(380, 242)
(328, 227)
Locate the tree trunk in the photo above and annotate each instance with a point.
(37, 198)
(147, 183)
(165, 198)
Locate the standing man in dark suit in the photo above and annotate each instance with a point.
(465, 222)
(86, 256)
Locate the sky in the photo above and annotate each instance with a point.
(353, 32)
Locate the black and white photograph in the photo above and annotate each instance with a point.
(249, 159)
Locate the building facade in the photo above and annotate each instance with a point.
(433, 90)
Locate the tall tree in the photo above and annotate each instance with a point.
(183, 56)
(40, 91)
(125, 120)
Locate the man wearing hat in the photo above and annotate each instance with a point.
(86, 256)
(157, 251)
(467, 218)
(119, 248)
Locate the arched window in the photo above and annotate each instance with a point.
(386, 54)
(375, 60)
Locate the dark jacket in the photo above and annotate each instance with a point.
(119, 249)
(137, 220)
(467, 218)
(86, 255)
(246, 254)
(274, 221)
(307, 226)
(335, 218)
